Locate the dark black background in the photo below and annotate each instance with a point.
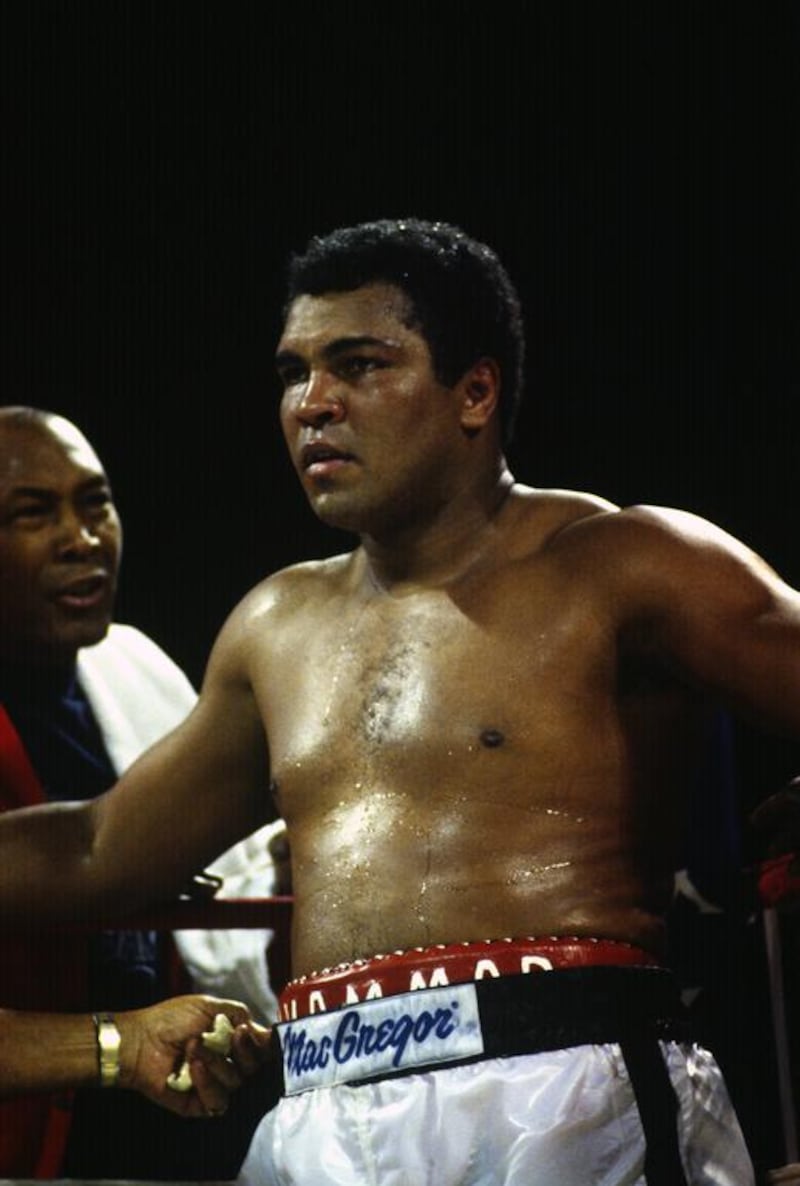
(635, 164)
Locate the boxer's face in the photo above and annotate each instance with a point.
(370, 429)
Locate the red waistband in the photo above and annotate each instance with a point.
(449, 963)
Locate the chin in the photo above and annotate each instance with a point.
(76, 635)
(338, 512)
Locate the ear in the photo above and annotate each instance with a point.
(480, 387)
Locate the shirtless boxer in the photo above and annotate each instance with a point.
(480, 726)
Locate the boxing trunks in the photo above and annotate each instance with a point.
(498, 1063)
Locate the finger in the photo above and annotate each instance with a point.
(250, 1047)
(224, 1072)
(211, 1094)
(220, 1009)
(220, 1068)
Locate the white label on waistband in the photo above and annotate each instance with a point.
(379, 1037)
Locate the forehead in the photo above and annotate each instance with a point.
(44, 454)
(378, 311)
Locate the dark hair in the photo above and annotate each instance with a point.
(461, 298)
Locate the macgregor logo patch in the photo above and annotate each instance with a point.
(381, 1036)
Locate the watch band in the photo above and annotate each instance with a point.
(108, 1043)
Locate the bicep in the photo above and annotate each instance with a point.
(191, 796)
(723, 618)
(749, 654)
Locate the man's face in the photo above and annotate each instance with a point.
(371, 432)
(60, 541)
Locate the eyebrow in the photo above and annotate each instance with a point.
(31, 491)
(340, 346)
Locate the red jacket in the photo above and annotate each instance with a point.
(44, 972)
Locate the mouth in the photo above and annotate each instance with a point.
(320, 459)
(86, 593)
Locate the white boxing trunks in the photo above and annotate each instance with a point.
(499, 1063)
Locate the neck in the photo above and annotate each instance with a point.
(443, 548)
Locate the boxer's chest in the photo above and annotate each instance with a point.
(394, 683)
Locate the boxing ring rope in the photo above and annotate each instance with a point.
(780, 1029)
(274, 913)
(192, 914)
(189, 914)
(205, 913)
(209, 913)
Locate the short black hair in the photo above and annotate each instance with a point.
(461, 298)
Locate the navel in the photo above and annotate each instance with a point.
(491, 738)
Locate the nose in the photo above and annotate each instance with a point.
(76, 538)
(319, 404)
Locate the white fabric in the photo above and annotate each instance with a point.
(380, 1036)
(232, 963)
(137, 695)
(561, 1118)
(136, 692)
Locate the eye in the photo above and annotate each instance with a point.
(28, 516)
(29, 512)
(356, 365)
(97, 501)
(290, 374)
